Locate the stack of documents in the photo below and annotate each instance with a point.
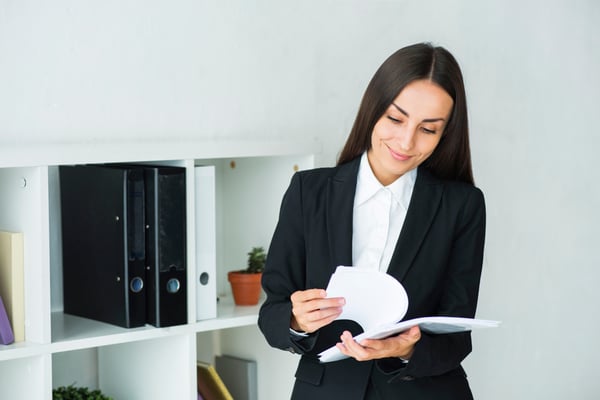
(376, 301)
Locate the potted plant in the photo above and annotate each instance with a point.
(245, 284)
(77, 393)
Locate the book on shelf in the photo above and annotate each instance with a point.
(239, 375)
(377, 301)
(12, 281)
(6, 333)
(210, 384)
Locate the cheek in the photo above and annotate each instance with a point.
(381, 132)
(429, 146)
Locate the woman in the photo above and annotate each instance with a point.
(401, 199)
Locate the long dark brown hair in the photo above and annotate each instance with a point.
(452, 157)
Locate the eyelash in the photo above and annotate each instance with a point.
(425, 130)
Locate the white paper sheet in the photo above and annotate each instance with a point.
(373, 298)
(437, 325)
(376, 301)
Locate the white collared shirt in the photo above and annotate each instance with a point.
(379, 213)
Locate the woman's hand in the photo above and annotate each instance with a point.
(311, 309)
(401, 346)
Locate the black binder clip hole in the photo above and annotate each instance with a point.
(204, 278)
(173, 285)
(136, 285)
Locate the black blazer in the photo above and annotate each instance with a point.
(437, 258)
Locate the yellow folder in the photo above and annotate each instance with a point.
(210, 384)
(11, 281)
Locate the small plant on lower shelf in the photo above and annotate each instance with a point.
(256, 260)
(245, 283)
(77, 393)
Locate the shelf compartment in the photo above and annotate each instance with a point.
(26, 378)
(156, 368)
(70, 332)
(24, 208)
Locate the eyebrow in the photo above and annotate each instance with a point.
(425, 120)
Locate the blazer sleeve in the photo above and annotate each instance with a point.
(285, 273)
(438, 354)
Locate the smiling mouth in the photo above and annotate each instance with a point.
(399, 156)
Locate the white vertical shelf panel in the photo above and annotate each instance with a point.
(190, 183)
(149, 369)
(26, 378)
(56, 277)
(24, 208)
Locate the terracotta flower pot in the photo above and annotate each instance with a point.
(245, 287)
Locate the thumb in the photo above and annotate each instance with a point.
(415, 332)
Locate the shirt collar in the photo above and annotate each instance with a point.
(367, 185)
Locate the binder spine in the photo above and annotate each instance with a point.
(166, 246)
(206, 257)
(152, 272)
(135, 291)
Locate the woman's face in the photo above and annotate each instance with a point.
(409, 130)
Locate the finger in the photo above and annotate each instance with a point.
(330, 302)
(306, 295)
(415, 331)
(350, 344)
(312, 320)
(353, 349)
(313, 326)
(316, 305)
(320, 316)
(317, 324)
(412, 335)
(311, 310)
(373, 344)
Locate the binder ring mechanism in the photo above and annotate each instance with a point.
(136, 285)
(173, 285)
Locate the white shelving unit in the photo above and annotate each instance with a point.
(147, 362)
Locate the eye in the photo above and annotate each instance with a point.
(428, 131)
(394, 120)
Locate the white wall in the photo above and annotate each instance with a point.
(105, 70)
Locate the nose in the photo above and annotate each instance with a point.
(406, 137)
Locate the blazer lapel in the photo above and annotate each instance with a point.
(340, 205)
(423, 206)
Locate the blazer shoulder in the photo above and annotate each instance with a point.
(451, 189)
(316, 173)
(316, 176)
(464, 196)
(462, 189)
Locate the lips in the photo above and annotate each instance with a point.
(399, 156)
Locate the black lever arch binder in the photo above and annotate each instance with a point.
(124, 243)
